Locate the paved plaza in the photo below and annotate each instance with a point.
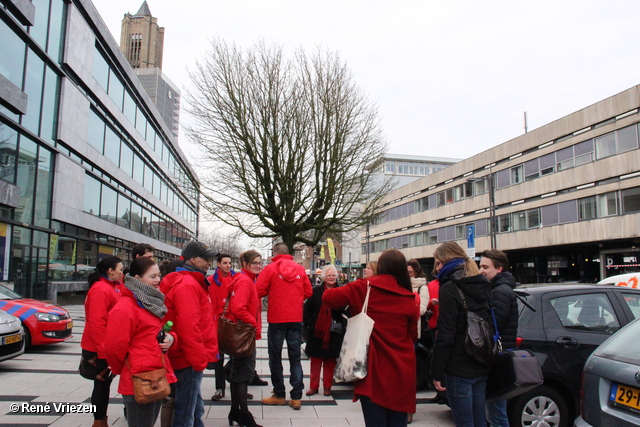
(47, 377)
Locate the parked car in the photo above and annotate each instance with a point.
(611, 382)
(11, 336)
(43, 323)
(563, 325)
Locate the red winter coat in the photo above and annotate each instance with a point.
(190, 311)
(101, 298)
(287, 285)
(132, 332)
(391, 377)
(434, 290)
(245, 304)
(218, 292)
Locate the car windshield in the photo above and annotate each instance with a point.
(6, 293)
(624, 346)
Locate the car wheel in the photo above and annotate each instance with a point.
(27, 337)
(542, 406)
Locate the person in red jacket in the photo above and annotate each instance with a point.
(189, 308)
(131, 343)
(388, 392)
(287, 285)
(244, 306)
(104, 293)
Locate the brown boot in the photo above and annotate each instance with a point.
(100, 423)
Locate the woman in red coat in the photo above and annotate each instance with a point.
(244, 306)
(104, 293)
(387, 393)
(131, 343)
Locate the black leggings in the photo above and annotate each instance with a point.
(100, 394)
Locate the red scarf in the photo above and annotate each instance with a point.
(323, 322)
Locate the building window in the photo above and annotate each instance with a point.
(583, 152)
(607, 204)
(531, 170)
(587, 208)
(460, 232)
(547, 164)
(564, 158)
(549, 214)
(516, 174)
(135, 43)
(91, 195)
(504, 223)
(567, 211)
(533, 218)
(631, 200)
(481, 186)
(440, 198)
(606, 145)
(627, 138)
(519, 220)
(502, 178)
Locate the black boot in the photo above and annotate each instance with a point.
(235, 413)
(258, 381)
(247, 420)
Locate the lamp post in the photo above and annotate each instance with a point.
(492, 205)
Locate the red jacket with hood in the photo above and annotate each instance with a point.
(391, 377)
(218, 291)
(245, 304)
(132, 332)
(187, 300)
(101, 298)
(287, 285)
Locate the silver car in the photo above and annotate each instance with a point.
(611, 382)
(11, 336)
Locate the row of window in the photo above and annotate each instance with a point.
(411, 168)
(620, 141)
(603, 205)
(105, 202)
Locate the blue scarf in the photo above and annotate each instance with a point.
(448, 268)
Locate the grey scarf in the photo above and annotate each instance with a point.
(148, 297)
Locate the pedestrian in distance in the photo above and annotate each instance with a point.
(325, 329)
(494, 265)
(387, 394)
(131, 344)
(244, 307)
(453, 370)
(104, 293)
(286, 284)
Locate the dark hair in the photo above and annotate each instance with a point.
(171, 266)
(280, 249)
(498, 258)
(220, 256)
(417, 269)
(162, 265)
(140, 266)
(393, 262)
(248, 256)
(141, 249)
(110, 262)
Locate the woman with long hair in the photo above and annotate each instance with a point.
(453, 370)
(132, 341)
(325, 331)
(104, 293)
(387, 393)
(244, 306)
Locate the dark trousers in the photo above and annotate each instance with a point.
(379, 416)
(220, 374)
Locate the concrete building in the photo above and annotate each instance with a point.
(567, 199)
(88, 166)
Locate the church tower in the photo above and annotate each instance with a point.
(141, 39)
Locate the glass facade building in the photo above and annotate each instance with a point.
(88, 167)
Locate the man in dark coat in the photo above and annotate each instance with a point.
(493, 265)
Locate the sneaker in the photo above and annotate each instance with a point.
(295, 404)
(219, 395)
(274, 400)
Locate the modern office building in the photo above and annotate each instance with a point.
(88, 166)
(566, 199)
(406, 168)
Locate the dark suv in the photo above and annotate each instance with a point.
(563, 325)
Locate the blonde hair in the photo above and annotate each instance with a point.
(326, 269)
(373, 265)
(451, 250)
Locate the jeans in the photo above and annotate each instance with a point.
(276, 335)
(188, 407)
(378, 416)
(141, 415)
(467, 400)
(497, 413)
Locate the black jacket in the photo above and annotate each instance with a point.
(310, 316)
(505, 308)
(449, 355)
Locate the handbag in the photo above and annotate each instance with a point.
(237, 339)
(336, 327)
(94, 368)
(514, 373)
(150, 386)
(352, 362)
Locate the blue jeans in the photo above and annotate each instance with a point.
(497, 413)
(141, 415)
(188, 408)
(276, 335)
(467, 400)
(379, 416)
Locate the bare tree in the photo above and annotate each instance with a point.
(290, 146)
(224, 243)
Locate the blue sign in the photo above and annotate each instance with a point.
(471, 234)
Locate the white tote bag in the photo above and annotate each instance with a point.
(352, 362)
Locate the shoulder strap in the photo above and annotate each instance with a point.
(464, 300)
(366, 299)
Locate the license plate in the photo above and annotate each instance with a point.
(11, 339)
(69, 325)
(625, 397)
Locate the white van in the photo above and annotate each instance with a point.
(631, 280)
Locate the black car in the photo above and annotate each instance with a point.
(563, 325)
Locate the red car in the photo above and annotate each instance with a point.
(43, 323)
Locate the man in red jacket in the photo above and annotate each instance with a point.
(287, 285)
(189, 308)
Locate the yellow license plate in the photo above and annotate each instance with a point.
(11, 339)
(69, 325)
(625, 396)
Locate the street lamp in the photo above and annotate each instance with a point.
(492, 205)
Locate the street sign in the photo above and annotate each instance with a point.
(471, 241)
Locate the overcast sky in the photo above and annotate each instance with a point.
(451, 78)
